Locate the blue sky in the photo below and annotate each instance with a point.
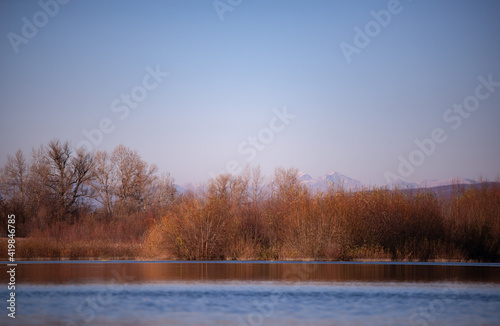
(227, 78)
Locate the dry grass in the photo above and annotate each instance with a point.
(49, 249)
(89, 238)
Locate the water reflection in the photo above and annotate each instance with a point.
(254, 293)
(154, 272)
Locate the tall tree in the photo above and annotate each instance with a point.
(256, 184)
(286, 185)
(68, 175)
(16, 171)
(3, 194)
(38, 180)
(104, 181)
(161, 193)
(134, 177)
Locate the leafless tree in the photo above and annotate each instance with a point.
(286, 185)
(68, 175)
(82, 164)
(16, 171)
(38, 177)
(134, 177)
(3, 193)
(39, 196)
(123, 183)
(233, 189)
(104, 181)
(161, 192)
(239, 189)
(256, 184)
(219, 187)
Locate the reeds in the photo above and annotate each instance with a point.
(89, 238)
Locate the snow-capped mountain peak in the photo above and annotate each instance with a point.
(331, 179)
(304, 176)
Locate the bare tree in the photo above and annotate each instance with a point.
(3, 193)
(134, 178)
(16, 172)
(286, 185)
(239, 189)
(58, 156)
(82, 164)
(39, 195)
(38, 179)
(123, 181)
(256, 184)
(161, 193)
(68, 175)
(104, 181)
(219, 186)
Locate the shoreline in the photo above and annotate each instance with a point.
(131, 260)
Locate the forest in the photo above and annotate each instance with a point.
(73, 204)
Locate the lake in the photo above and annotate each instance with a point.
(253, 293)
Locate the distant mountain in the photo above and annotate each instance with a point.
(304, 177)
(179, 189)
(453, 189)
(188, 187)
(339, 180)
(401, 184)
(335, 179)
(448, 182)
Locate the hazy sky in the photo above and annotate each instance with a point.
(187, 82)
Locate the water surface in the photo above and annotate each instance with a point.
(255, 293)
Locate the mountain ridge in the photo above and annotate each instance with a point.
(340, 180)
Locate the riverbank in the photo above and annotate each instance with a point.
(50, 250)
(292, 224)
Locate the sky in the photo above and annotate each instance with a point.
(376, 90)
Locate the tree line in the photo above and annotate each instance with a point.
(72, 203)
(249, 217)
(59, 183)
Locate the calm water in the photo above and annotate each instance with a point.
(254, 293)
